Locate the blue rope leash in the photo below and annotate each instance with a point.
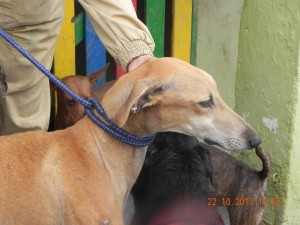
(89, 104)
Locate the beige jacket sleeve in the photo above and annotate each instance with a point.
(121, 32)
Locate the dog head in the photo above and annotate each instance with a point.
(168, 94)
(172, 161)
(68, 110)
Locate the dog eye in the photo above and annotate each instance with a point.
(207, 104)
(71, 102)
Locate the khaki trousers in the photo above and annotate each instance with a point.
(35, 25)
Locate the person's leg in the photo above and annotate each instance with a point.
(3, 83)
(35, 25)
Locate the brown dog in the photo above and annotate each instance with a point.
(237, 181)
(67, 110)
(242, 189)
(81, 175)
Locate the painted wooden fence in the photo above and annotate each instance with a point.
(169, 21)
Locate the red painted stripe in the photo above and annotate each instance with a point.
(134, 3)
(119, 71)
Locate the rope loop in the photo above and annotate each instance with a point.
(94, 104)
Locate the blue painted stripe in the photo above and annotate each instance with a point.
(95, 51)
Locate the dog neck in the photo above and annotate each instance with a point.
(144, 123)
(122, 162)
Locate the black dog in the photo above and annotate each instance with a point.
(173, 186)
(177, 164)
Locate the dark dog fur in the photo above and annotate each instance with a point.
(175, 168)
(177, 164)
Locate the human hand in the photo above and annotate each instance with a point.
(138, 61)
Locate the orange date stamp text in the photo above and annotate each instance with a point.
(241, 201)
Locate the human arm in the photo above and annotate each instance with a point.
(125, 37)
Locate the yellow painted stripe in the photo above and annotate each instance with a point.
(64, 58)
(182, 29)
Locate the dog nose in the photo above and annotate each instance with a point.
(254, 141)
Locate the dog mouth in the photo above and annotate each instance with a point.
(210, 142)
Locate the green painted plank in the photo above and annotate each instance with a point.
(155, 21)
(79, 28)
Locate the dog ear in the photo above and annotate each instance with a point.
(128, 96)
(94, 77)
(147, 99)
(139, 98)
